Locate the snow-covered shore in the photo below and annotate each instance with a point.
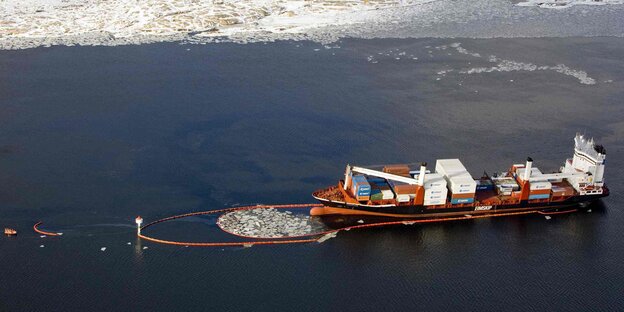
(25, 23)
(34, 23)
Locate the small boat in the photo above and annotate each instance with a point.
(10, 232)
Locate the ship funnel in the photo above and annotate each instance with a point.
(527, 169)
(421, 174)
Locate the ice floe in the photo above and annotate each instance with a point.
(269, 223)
(327, 236)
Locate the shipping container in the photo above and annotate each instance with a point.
(462, 195)
(436, 191)
(362, 198)
(540, 185)
(402, 170)
(403, 198)
(447, 167)
(432, 202)
(376, 194)
(402, 188)
(462, 201)
(435, 195)
(562, 190)
(461, 183)
(376, 180)
(539, 196)
(506, 192)
(536, 192)
(387, 194)
(434, 180)
(360, 188)
(483, 185)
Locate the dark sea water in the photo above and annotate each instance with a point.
(90, 137)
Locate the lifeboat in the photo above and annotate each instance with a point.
(10, 232)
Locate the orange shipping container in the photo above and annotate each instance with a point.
(562, 190)
(402, 170)
(467, 195)
(405, 189)
(540, 192)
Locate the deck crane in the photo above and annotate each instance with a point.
(388, 176)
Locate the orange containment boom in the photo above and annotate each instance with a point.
(36, 228)
(310, 237)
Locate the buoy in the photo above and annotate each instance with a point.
(138, 221)
(10, 231)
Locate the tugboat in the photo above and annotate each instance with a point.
(397, 191)
(10, 232)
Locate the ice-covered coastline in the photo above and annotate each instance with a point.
(30, 23)
(563, 4)
(34, 23)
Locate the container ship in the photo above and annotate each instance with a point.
(397, 191)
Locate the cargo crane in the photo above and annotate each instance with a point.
(384, 175)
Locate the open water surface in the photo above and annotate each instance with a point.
(92, 136)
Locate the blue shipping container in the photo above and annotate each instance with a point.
(376, 180)
(360, 186)
(363, 190)
(539, 196)
(462, 200)
(358, 178)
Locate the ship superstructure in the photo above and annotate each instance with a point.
(399, 191)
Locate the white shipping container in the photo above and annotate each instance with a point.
(540, 186)
(435, 197)
(449, 166)
(403, 198)
(387, 194)
(431, 202)
(442, 192)
(462, 184)
(434, 180)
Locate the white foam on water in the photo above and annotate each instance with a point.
(564, 4)
(503, 65)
